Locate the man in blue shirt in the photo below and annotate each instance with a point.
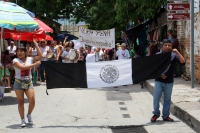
(164, 84)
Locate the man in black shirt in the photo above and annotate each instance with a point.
(164, 84)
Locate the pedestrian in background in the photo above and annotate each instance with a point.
(175, 45)
(97, 51)
(12, 50)
(60, 52)
(45, 50)
(83, 55)
(122, 53)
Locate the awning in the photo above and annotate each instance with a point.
(137, 28)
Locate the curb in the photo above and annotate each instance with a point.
(178, 111)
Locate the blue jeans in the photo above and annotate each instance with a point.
(160, 88)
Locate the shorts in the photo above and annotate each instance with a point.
(17, 85)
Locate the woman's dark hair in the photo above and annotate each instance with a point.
(72, 44)
(166, 41)
(174, 35)
(170, 32)
(6, 52)
(22, 48)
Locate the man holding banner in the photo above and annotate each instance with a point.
(164, 84)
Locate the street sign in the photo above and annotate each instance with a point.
(178, 6)
(178, 16)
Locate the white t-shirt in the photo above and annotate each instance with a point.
(44, 52)
(71, 56)
(122, 54)
(23, 74)
(34, 52)
(12, 50)
(65, 54)
(96, 56)
(101, 53)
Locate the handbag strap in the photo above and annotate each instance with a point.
(21, 82)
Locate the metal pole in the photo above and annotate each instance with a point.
(16, 1)
(192, 42)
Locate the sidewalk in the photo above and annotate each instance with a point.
(185, 101)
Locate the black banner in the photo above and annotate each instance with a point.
(149, 67)
(65, 75)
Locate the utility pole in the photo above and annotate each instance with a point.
(192, 42)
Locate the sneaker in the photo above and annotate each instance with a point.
(154, 118)
(23, 124)
(30, 121)
(168, 119)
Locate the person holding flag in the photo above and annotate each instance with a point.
(164, 83)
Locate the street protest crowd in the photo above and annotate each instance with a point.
(61, 52)
(65, 52)
(21, 61)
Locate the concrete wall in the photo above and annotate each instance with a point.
(183, 30)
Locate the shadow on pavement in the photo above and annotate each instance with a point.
(9, 100)
(161, 122)
(136, 88)
(17, 126)
(74, 127)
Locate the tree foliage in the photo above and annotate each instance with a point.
(137, 9)
(99, 14)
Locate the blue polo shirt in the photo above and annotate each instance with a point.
(170, 72)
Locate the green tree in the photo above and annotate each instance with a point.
(54, 9)
(137, 9)
(99, 14)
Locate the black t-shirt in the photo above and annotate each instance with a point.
(170, 72)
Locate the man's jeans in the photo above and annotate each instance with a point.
(166, 88)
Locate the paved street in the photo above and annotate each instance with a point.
(77, 110)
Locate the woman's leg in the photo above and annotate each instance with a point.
(20, 99)
(31, 99)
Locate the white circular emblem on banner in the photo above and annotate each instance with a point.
(109, 74)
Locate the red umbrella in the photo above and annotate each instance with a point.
(28, 36)
(48, 38)
(43, 26)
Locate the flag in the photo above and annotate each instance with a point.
(109, 73)
(105, 73)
